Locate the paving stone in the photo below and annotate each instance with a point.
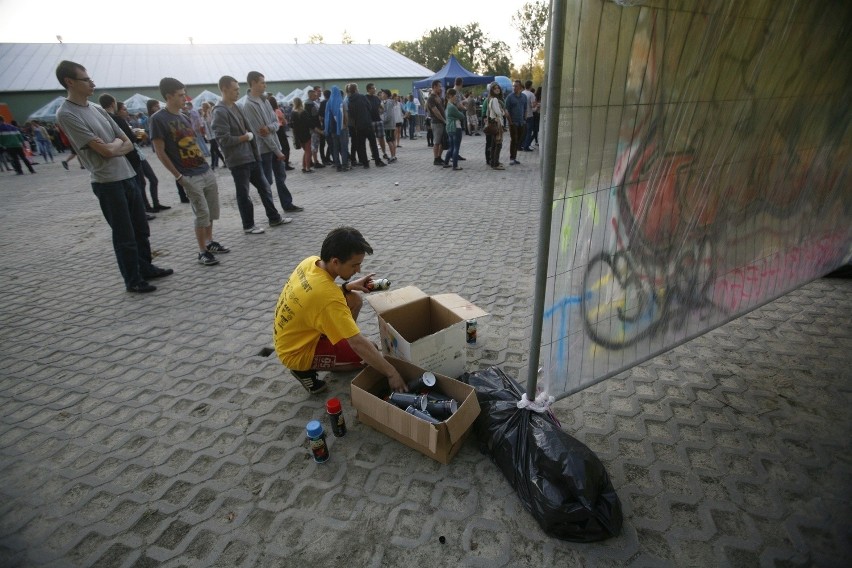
(148, 431)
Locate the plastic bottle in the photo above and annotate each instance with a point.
(335, 416)
(316, 435)
(378, 284)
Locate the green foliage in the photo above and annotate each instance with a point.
(531, 23)
(471, 46)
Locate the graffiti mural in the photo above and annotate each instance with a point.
(703, 170)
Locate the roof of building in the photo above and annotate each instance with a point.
(32, 66)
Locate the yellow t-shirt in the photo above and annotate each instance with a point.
(310, 305)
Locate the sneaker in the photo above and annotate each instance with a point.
(64, 164)
(318, 166)
(161, 207)
(294, 208)
(438, 162)
(253, 230)
(458, 169)
(312, 383)
(280, 221)
(461, 159)
(380, 164)
(385, 156)
(515, 163)
(214, 246)
(141, 288)
(157, 272)
(207, 259)
(288, 167)
(498, 167)
(446, 165)
(150, 217)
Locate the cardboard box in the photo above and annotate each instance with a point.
(429, 331)
(440, 442)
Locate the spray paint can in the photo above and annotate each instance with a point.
(316, 437)
(426, 381)
(378, 284)
(442, 408)
(404, 399)
(335, 417)
(471, 332)
(422, 415)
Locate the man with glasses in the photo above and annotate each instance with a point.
(101, 146)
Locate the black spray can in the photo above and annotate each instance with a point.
(426, 381)
(335, 416)
(316, 436)
(442, 408)
(404, 400)
(422, 415)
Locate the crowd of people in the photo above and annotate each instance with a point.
(314, 321)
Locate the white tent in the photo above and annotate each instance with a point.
(48, 111)
(137, 104)
(205, 96)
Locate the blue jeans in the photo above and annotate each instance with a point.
(251, 173)
(340, 147)
(274, 168)
(122, 206)
(529, 136)
(455, 144)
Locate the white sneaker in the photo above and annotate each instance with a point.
(253, 230)
(281, 221)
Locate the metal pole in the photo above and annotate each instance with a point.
(550, 116)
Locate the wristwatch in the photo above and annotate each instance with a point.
(343, 287)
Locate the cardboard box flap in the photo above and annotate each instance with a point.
(459, 306)
(386, 300)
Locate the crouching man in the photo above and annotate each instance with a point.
(314, 328)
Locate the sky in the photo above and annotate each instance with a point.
(40, 21)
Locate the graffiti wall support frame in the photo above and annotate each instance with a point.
(550, 114)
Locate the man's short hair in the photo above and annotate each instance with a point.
(451, 92)
(254, 77)
(528, 84)
(67, 70)
(343, 243)
(370, 86)
(459, 81)
(170, 86)
(225, 81)
(106, 100)
(436, 82)
(150, 104)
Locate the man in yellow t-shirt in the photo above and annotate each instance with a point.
(314, 328)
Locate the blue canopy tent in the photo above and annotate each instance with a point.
(448, 74)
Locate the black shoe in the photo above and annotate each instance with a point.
(141, 288)
(157, 272)
(64, 164)
(311, 383)
(161, 207)
(366, 165)
(184, 200)
(289, 167)
(462, 159)
(149, 209)
(293, 209)
(318, 166)
(150, 217)
(380, 164)
(385, 156)
(438, 162)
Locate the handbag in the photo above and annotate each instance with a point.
(491, 128)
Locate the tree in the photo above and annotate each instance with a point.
(470, 46)
(496, 60)
(347, 39)
(315, 38)
(438, 44)
(410, 49)
(531, 23)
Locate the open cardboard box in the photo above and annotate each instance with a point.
(429, 331)
(440, 442)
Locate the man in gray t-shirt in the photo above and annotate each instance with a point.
(101, 146)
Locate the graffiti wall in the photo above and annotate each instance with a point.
(703, 170)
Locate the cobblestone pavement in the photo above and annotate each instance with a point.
(149, 430)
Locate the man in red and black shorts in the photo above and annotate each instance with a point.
(314, 328)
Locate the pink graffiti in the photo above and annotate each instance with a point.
(763, 279)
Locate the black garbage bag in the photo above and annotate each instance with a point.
(559, 480)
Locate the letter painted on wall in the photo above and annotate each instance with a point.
(703, 170)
